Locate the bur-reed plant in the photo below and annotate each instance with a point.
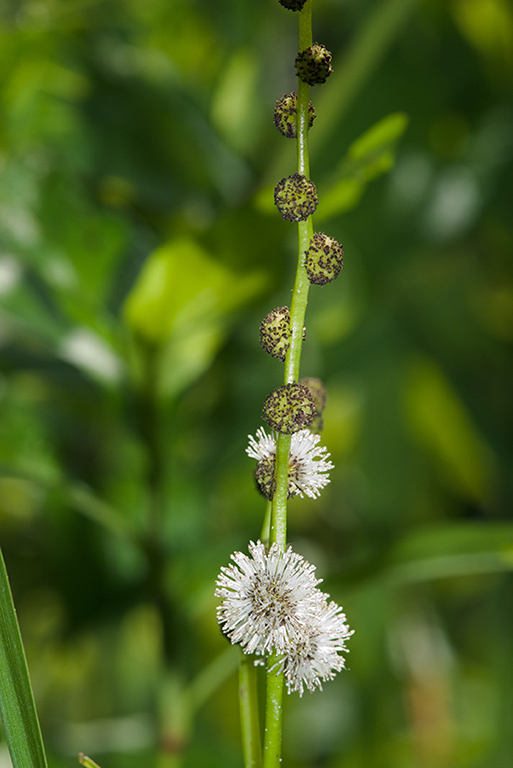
(271, 604)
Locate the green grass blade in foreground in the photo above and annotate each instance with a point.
(17, 708)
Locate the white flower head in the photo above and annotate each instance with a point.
(266, 598)
(313, 655)
(309, 463)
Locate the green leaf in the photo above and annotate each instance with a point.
(181, 287)
(441, 422)
(370, 156)
(461, 549)
(17, 706)
(181, 305)
(378, 138)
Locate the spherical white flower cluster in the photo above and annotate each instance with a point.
(309, 463)
(271, 604)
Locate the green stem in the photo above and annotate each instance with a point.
(278, 532)
(266, 525)
(273, 715)
(305, 228)
(250, 723)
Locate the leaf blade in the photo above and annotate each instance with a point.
(17, 706)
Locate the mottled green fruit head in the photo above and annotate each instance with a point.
(316, 425)
(292, 5)
(313, 65)
(285, 115)
(295, 197)
(289, 409)
(324, 259)
(264, 477)
(266, 482)
(318, 392)
(275, 332)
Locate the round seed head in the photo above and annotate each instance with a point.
(313, 65)
(289, 408)
(318, 392)
(264, 476)
(292, 5)
(285, 115)
(275, 332)
(295, 197)
(324, 259)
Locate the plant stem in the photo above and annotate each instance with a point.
(305, 228)
(278, 532)
(248, 698)
(273, 715)
(266, 525)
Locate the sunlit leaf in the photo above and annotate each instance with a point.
(181, 287)
(181, 303)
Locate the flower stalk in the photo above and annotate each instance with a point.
(250, 723)
(271, 604)
(275, 680)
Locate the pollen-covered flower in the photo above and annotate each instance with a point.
(309, 464)
(314, 653)
(266, 598)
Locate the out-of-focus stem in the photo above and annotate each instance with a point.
(250, 724)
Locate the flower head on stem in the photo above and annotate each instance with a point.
(309, 464)
(265, 597)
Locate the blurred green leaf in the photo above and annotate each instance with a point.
(373, 143)
(442, 423)
(445, 551)
(369, 156)
(19, 717)
(181, 303)
(180, 288)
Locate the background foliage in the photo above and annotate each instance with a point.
(139, 252)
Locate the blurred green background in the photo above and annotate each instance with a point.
(139, 250)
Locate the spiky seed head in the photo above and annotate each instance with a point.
(285, 115)
(275, 332)
(295, 197)
(324, 259)
(289, 408)
(313, 65)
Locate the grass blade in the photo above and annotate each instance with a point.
(17, 708)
